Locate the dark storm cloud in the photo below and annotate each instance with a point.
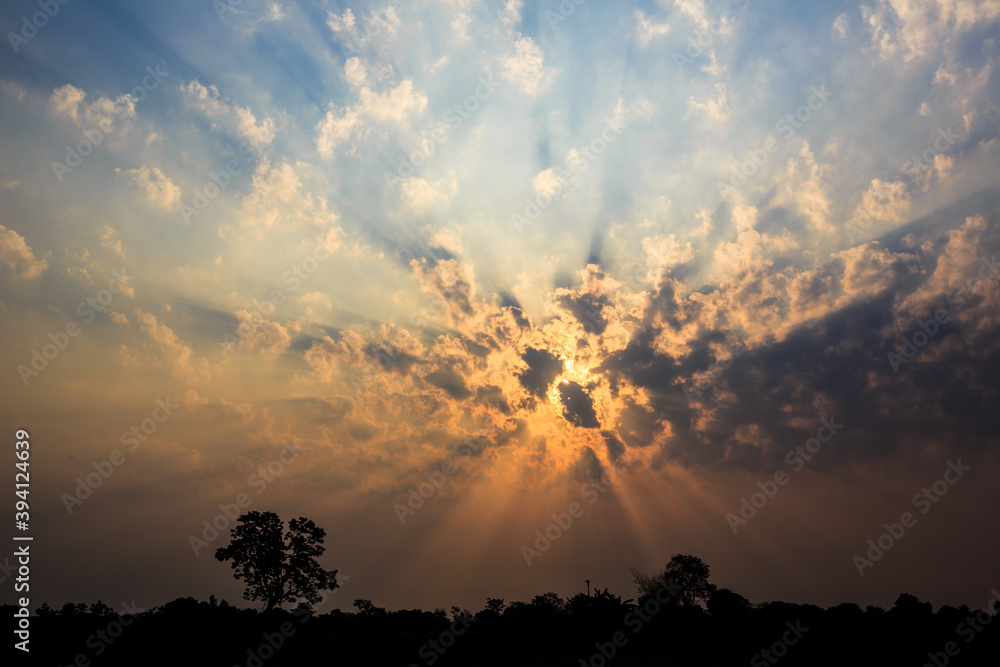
(493, 396)
(450, 381)
(616, 448)
(578, 407)
(588, 310)
(833, 366)
(543, 367)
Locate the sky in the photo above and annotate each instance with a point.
(506, 295)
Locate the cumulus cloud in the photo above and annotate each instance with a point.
(883, 201)
(420, 195)
(714, 108)
(395, 107)
(269, 338)
(175, 353)
(801, 185)
(103, 114)
(525, 67)
(17, 258)
(910, 31)
(159, 189)
(278, 199)
(510, 15)
(226, 114)
(647, 29)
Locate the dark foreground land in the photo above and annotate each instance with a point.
(592, 630)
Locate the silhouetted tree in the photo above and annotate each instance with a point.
(71, 609)
(101, 609)
(727, 605)
(276, 568)
(495, 605)
(550, 602)
(688, 573)
(368, 609)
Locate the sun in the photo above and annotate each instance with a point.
(573, 371)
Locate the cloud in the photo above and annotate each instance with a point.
(694, 10)
(109, 241)
(395, 108)
(841, 25)
(178, 356)
(104, 114)
(374, 31)
(907, 31)
(801, 185)
(279, 200)
(421, 196)
(884, 201)
(231, 116)
(159, 189)
(17, 257)
(460, 26)
(870, 270)
(716, 109)
(453, 282)
(543, 368)
(269, 338)
(525, 67)
(510, 15)
(647, 29)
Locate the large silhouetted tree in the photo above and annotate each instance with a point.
(687, 574)
(278, 569)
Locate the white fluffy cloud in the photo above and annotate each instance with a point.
(159, 189)
(104, 114)
(394, 107)
(17, 258)
(525, 67)
(421, 196)
(241, 119)
(647, 29)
